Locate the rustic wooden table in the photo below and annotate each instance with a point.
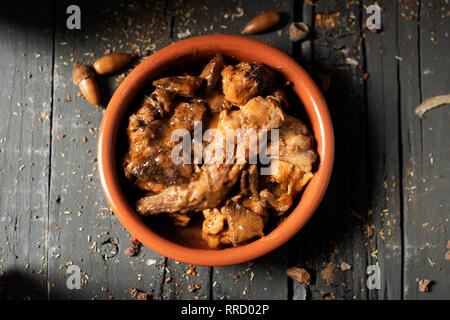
(387, 204)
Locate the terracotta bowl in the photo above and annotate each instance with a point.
(188, 52)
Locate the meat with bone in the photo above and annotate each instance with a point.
(242, 97)
(216, 179)
(293, 169)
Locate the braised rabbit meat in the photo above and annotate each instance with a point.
(196, 146)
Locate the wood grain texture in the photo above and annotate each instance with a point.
(385, 209)
(335, 234)
(424, 49)
(387, 203)
(82, 229)
(26, 70)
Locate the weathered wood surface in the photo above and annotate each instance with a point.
(424, 71)
(335, 234)
(382, 96)
(82, 230)
(387, 203)
(26, 65)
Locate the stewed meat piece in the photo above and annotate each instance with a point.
(244, 81)
(293, 168)
(211, 72)
(215, 101)
(215, 178)
(148, 163)
(185, 86)
(232, 224)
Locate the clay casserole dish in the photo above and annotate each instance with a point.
(190, 51)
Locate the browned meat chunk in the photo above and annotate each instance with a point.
(211, 72)
(216, 102)
(262, 113)
(243, 224)
(233, 224)
(293, 169)
(180, 85)
(215, 178)
(207, 191)
(297, 144)
(214, 229)
(186, 114)
(149, 164)
(244, 81)
(249, 192)
(160, 101)
(154, 170)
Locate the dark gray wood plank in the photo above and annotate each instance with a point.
(263, 278)
(425, 53)
(303, 11)
(82, 230)
(385, 245)
(337, 233)
(26, 44)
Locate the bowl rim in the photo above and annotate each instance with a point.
(234, 46)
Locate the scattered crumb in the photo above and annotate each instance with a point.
(370, 230)
(327, 274)
(345, 266)
(134, 249)
(131, 251)
(138, 294)
(423, 285)
(191, 271)
(327, 20)
(192, 288)
(326, 295)
(185, 34)
(300, 275)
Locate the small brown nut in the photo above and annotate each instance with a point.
(262, 22)
(111, 63)
(300, 275)
(84, 77)
(298, 31)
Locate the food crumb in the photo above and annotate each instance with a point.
(327, 273)
(134, 249)
(423, 285)
(192, 288)
(191, 271)
(300, 275)
(326, 295)
(138, 294)
(447, 256)
(345, 266)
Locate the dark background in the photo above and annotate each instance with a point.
(387, 203)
